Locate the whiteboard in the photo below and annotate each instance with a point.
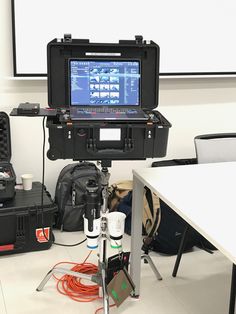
(195, 37)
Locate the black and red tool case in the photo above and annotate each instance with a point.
(7, 174)
(26, 221)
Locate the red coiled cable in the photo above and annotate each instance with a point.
(73, 287)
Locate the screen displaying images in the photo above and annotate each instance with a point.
(104, 82)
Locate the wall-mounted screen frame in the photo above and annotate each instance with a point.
(195, 38)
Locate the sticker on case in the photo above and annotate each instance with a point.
(42, 234)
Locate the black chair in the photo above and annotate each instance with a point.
(209, 148)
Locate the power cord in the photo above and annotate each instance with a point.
(42, 194)
(73, 287)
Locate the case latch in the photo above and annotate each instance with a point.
(138, 39)
(67, 38)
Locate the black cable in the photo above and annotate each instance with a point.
(42, 192)
(70, 245)
(43, 174)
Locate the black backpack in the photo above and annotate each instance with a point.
(168, 236)
(70, 194)
(165, 230)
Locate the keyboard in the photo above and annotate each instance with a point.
(104, 113)
(107, 110)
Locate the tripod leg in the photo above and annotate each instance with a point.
(103, 241)
(45, 280)
(105, 294)
(65, 272)
(148, 259)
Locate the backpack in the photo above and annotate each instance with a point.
(161, 226)
(117, 191)
(70, 194)
(167, 239)
(151, 215)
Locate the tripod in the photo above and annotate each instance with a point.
(100, 277)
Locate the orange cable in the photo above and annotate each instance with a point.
(73, 287)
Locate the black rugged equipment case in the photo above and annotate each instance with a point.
(7, 185)
(22, 219)
(81, 140)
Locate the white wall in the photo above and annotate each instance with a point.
(193, 106)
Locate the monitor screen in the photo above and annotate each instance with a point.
(104, 82)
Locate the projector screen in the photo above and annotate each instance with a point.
(195, 37)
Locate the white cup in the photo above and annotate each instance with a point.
(116, 228)
(92, 236)
(27, 181)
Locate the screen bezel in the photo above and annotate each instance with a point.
(100, 60)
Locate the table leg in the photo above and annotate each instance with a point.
(232, 291)
(136, 234)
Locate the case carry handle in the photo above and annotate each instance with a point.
(92, 148)
(106, 151)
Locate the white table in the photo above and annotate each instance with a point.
(204, 195)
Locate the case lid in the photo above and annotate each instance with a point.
(60, 51)
(5, 138)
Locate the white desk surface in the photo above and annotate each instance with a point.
(204, 195)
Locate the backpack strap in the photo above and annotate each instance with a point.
(151, 205)
(152, 214)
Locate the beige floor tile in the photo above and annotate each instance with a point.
(201, 287)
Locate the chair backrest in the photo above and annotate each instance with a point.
(215, 147)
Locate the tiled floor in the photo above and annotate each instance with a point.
(202, 285)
